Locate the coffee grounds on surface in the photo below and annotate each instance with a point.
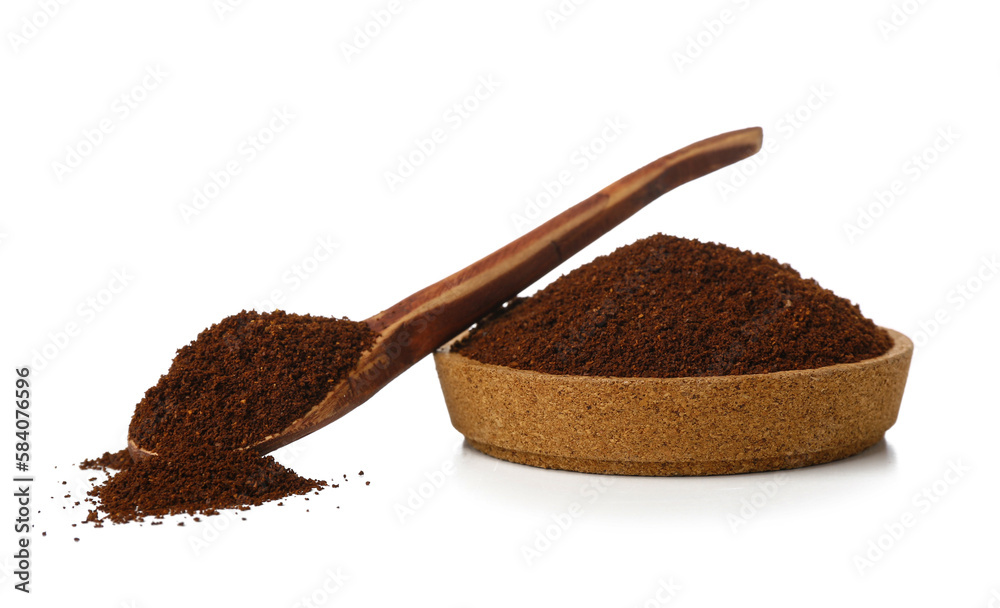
(197, 480)
(108, 461)
(666, 307)
(241, 380)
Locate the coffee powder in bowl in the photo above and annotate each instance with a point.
(240, 380)
(675, 357)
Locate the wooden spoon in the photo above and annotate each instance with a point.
(419, 324)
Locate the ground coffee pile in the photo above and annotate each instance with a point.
(667, 307)
(108, 461)
(247, 377)
(197, 480)
(244, 378)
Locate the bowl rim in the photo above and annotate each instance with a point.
(902, 346)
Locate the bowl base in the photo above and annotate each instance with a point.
(675, 469)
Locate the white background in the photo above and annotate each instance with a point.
(867, 99)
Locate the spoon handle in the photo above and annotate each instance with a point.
(435, 314)
(417, 325)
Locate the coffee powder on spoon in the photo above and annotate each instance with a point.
(242, 379)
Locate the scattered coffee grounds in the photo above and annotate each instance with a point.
(199, 480)
(247, 377)
(109, 460)
(666, 307)
(241, 380)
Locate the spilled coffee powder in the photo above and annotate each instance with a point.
(108, 461)
(666, 307)
(197, 480)
(242, 379)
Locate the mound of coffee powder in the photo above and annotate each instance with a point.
(197, 480)
(247, 377)
(241, 380)
(666, 307)
(108, 460)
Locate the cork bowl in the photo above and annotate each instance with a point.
(675, 426)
